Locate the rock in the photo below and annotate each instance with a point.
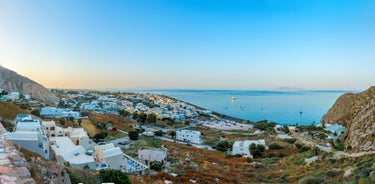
(348, 172)
(8, 179)
(372, 176)
(357, 113)
(256, 165)
(22, 172)
(311, 160)
(28, 181)
(6, 170)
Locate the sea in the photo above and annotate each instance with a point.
(303, 107)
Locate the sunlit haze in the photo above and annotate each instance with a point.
(191, 44)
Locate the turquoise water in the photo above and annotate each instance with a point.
(283, 107)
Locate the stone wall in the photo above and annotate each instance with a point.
(12, 163)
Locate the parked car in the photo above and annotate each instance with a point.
(122, 143)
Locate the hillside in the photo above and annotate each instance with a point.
(11, 81)
(9, 110)
(356, 112)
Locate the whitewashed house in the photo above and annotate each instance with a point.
(27, 97)
(55, 112)
(30, 135)
(13, 96)
(111, 156)
(189, 136)
(77, 135)
(242, 147)
(335, 129)
(75, 155)
(152, 154)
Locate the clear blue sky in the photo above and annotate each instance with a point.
(199, 44)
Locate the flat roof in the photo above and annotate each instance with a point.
(71, 153)
(31, 136)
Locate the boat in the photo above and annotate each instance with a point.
(233, 98)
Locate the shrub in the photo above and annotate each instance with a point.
(223, 146)
(256, 150)
(35, 112)
(100, 136)
(156, 166)
(290, 140)
(304, 149)
(114, 176)
(133, 135)
(159, 133)
(275, 146)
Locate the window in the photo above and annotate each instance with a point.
(52, 128)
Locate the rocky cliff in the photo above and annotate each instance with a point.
(357, 113)
(11, 81)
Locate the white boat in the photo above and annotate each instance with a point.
(233, 98)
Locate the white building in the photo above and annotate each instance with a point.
(27, 97)
(75, 155)
(77, 135)
(189, 136)
(55, 112)
(111, 156)
(30, 135)
(242, 147)
(152, 154)
(13, 96)
(335, 129)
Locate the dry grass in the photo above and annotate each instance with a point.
(118, 122)
(10, 110)
(89, 127)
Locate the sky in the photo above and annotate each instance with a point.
(190, 44)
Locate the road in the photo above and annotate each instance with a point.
(327, 149)
(341, 154)
(201, 146)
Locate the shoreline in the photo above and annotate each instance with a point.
(279, 116)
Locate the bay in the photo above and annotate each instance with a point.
(282, 107)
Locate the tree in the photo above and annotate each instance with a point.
(100, 136)
(124, 112)
(135, 115)
(133, 135)
(35, 112)
(156, 166)
(61, 104)
(285, 129)
(62, 121)
(264, 125)
(114, 176)
(101, 104)
(151, 118)
(223, 146)
(256, 150)
(159, 133)
(172, 134)
(322, 135)
(142, 117)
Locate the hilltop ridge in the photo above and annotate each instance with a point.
(12, 81)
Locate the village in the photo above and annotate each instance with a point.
(54, 132)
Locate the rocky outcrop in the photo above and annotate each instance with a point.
(11, 81)
(13, 166)
(357, 113)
